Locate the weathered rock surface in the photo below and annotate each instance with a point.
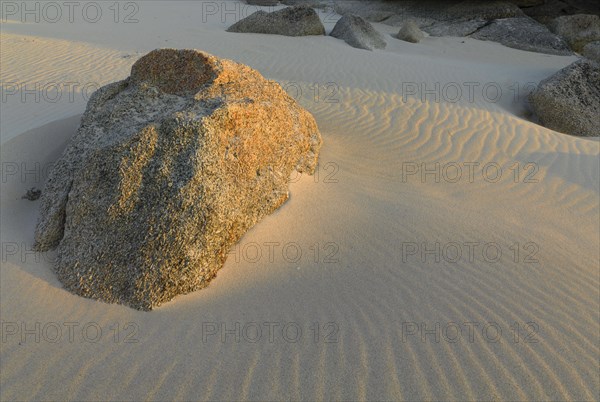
(398, 20)
(396, 12)
(485, 10)
(168, 169)
(309, 3)
(527, 3)
(569, 101)
(33, 194)
(525, 34)
(375, 11)
(264, 3)
(290, 21)
(449, 10)
(592, 51)
(578, 30)
(358, 33)
(436, 17)
(410, 32)
(550, 9)
(455, 28)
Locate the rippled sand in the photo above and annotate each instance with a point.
(355, 288)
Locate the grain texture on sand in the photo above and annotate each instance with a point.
(368, 213)
(46, 79)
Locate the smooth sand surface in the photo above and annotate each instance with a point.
(388, 315)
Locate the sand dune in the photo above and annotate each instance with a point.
(361, 226)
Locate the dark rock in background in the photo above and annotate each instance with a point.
(578, 30)
(523, 33)
(358, 33)
(290, 21)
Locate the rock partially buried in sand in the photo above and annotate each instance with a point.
(290, 21)
(569, 101)
(357, 32)
(410, 32)
(167, 171)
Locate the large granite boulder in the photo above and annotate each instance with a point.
(168, 169)
(358, 33)
(569, 101)
(578, 30)
(290, 21)
(525, 34)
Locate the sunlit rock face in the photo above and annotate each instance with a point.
(168, 169)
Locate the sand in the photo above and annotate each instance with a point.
(338, 295)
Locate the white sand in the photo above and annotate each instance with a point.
(373, 293)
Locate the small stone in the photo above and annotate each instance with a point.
(410, 32)
(32, 194)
